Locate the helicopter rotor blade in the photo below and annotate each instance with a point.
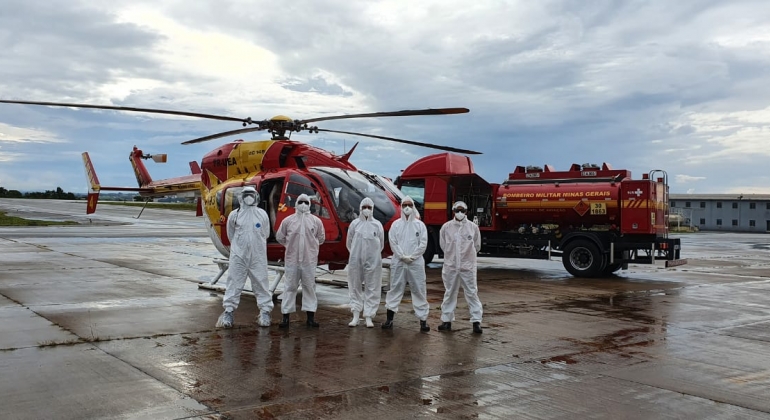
(224, 134)
(415, 143)
(429, 111)
(132, 109)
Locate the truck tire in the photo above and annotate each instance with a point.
(611, 268)
(430, 251)
(583, 259)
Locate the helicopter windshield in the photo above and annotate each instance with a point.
(384, 183)
(348, 188)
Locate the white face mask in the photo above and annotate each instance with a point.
(407, 210)
(303, 208)
(248, 200)
(366, 213)
(460, 216)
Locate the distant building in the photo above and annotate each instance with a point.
(725, 212)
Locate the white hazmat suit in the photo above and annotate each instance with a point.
(248, 228)
(461, 241)
(408, 238)
(365, 242)
(301, 233)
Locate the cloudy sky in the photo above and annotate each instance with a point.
(681, 86)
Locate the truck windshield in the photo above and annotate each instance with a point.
(415, 188)
(348, 188)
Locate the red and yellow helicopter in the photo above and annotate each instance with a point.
(280, 169)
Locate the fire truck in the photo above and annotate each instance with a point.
(596, 218)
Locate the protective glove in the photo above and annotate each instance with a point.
(407, 259)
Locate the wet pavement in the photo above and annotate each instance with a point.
(106, 320)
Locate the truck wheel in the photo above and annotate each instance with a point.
(583, 259)
(611, 268)
(430, 251)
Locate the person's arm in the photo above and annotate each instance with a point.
(265, 224)
(280, 234)
(442, 237)
(423, 245)
(231, 219)
(477, 238)
(351, 234)
(394, 245)
(320, 233)
(381, 234)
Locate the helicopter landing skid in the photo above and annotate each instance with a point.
(223, 264)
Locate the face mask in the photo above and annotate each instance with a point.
(460, 216)
(407, 210)
(248, 200)
(303, 208)
(366, 212)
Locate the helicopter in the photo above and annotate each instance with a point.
(280, 169)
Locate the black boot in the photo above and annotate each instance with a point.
(389, 322)
(446, 326)
(311, 320)
(284, 322)
(477, 327)
(424, 326)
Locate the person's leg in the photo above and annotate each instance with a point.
(309, 298)
(355, 292)
(291, 280)
(373, 293)
(397, 286)
(418, 291)
(236, 279)
(470, 290)
(452, 286)
(260, 284)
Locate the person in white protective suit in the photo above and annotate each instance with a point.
(366, 239)
(408, 240)
(461, 241)
(301, 234)
(248, 228)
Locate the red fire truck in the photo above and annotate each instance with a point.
(597, 219)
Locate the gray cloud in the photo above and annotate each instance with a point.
(67, 49)
(640, 84)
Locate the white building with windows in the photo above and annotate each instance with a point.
(726, 212)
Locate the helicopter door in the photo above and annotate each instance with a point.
(270, 200)
(299, 184)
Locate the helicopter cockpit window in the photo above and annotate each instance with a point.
(300, 185)
(348, 188)
(231, 199)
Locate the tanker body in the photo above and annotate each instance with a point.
(597, 219)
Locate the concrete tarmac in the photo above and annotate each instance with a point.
(106, 320)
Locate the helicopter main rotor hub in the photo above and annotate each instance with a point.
(279, 125)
